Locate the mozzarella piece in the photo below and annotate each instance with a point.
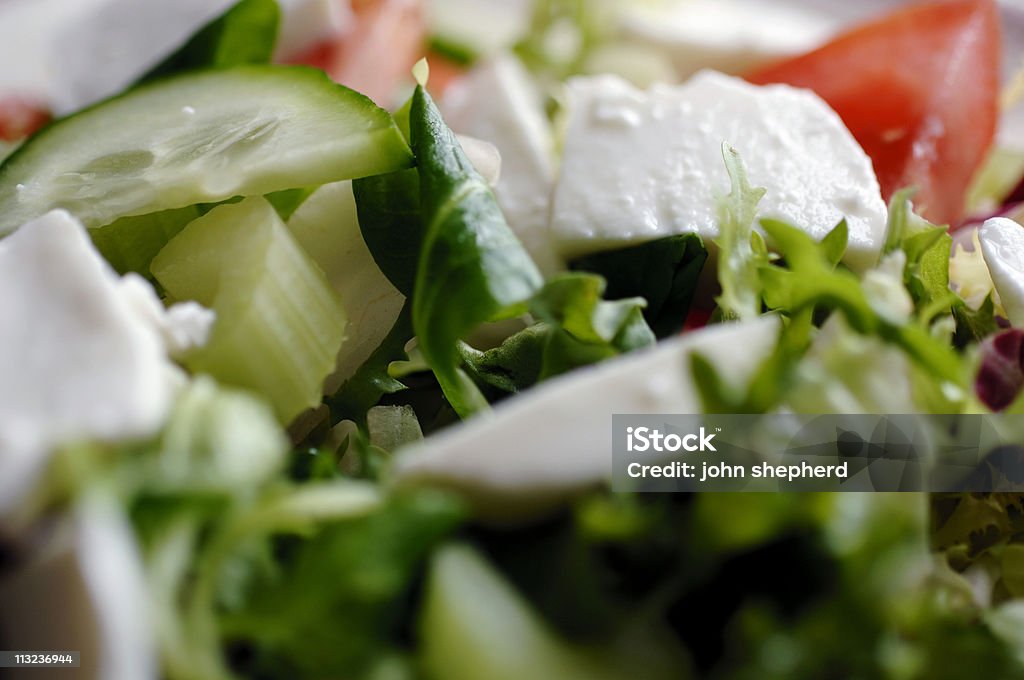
(556, 439)
(1002, 245)
(497, 103)
(642, 165)
(78, 360)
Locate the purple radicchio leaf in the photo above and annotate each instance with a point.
(1001, 375)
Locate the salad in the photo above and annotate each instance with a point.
(317, 314)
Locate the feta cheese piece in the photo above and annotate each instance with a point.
(78, 360)
(642, 165)
(556, 439)
(27, 32)
(497, 103)
(1002, 245)
(120, 41)
(183, 326)
(84, 588)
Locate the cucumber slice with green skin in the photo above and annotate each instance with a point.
(198, 138)
(279, 325)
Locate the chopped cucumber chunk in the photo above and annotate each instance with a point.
(199, 137)
(327, 227)
(279, 324)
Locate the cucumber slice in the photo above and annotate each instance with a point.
(279, 325)
(199, 137)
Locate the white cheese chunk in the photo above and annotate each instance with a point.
(118, 41)
(77, 359)
(1002, 245)
(497, 103)
(122, 40)
(183, 326)
(642, 165)
(556, 438)
(27, 32)
(727, 35)
(85, 589)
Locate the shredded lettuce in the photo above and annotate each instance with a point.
(741, 250)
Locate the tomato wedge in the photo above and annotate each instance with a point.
(20, 117)
(919, 90)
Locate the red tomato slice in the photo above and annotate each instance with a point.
(377, 54)
(919, 90)
(19, 118)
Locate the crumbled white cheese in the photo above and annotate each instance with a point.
(118, 41)
(640, 165)
(497, 103)
(183, 326)
(80, 358)
(85, 586)
(556, 439)
(122, 39)
(1002, 244)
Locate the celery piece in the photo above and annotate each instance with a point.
(279, 324)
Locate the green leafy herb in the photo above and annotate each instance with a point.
(363, 571)
(471, 268)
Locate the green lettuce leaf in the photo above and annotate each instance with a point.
(131, 243)
(662, 272)
(742, 252)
